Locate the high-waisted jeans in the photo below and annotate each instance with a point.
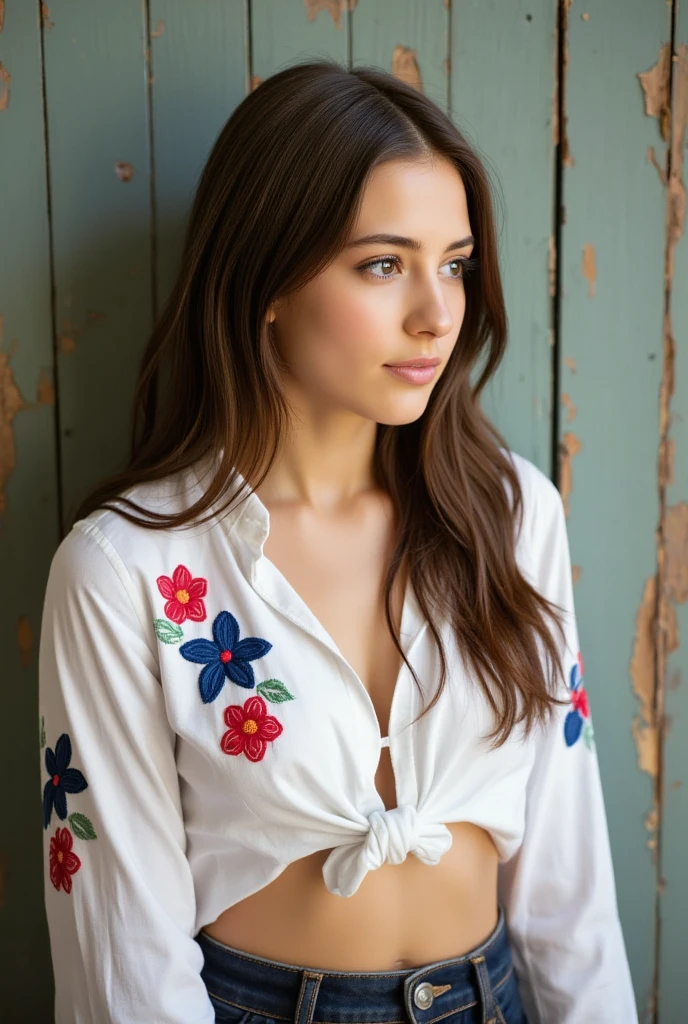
(477, 988)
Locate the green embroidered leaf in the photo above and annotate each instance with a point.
(83, 829)
(168, 632)
(42, 731)
(274, 691)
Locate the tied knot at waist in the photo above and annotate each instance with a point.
(392, 835)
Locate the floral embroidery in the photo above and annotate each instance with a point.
(184, 600)
(63, 861)
(578, 719)
(250, 730)
(63, 779)
(224, 657)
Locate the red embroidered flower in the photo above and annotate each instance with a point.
(579, 700)
(251, 728)
(183, 594)
(63, 862)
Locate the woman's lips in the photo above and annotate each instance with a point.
(413, 374)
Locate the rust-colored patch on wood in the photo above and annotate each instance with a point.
(652, 159)
(66, 343)
(676, 548)
(569, 447)
(676, 213)
(576, 573)
(124, 170)
(45, 16)
(642, 671)
(655, 86)
(589, 269)
(158, 30)
(5, 79)
(571, 363)
(405, 66)
(45, 394)
(333, 7)
(2, 14)
(11, 402)
(256, 81)
(24, 639)
(571, 409)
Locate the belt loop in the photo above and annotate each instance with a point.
(489, 1007)
(310, 986)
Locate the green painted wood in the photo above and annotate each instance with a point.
(199, 75)
(96, 87)
(674, 834)
(407, 39)
(502, 88)
(286, 31)
(611, 328)
(29, 518)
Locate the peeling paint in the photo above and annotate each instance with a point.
(24, 639)
(652, 159)
(643, 671)
(66, 343)
(571, 363)
(570, 408)
(124, 170)
(676, 548)
(45, 15)
(589, 269)
(11, 402)
(333, 7)
(2, 14)
(655, 86)
(158, 30)
(45, 394)
(676, 214)
(5, 79)
(405, 66)
(569, 447)
(576, 573)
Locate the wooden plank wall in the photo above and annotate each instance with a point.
(579, 109)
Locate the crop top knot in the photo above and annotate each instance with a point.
(392, 835)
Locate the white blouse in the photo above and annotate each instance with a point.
(201, 730)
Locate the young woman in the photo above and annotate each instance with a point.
(317, 743)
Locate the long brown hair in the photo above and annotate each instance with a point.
(276, 201)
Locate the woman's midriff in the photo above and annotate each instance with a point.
(403, 915)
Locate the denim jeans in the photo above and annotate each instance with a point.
(476, 988)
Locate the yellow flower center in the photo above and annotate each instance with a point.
(60, 856)
(250, 726)
(183, 596)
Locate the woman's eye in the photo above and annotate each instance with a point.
(463, 264)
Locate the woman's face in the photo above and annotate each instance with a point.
(382, 301)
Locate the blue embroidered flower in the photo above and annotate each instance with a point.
(580, 715)
(63, 779)
(224, 657)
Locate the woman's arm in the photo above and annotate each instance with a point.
(559, 890)
(119, 895)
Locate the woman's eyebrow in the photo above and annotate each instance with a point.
(404, 242)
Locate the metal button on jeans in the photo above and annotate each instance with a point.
(423, 996)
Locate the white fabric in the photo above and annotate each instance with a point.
(195, 807)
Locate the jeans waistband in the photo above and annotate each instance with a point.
(307, 995)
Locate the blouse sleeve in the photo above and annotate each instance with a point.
(119, 894)
(558, 890)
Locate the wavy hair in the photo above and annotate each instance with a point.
(276, 202)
